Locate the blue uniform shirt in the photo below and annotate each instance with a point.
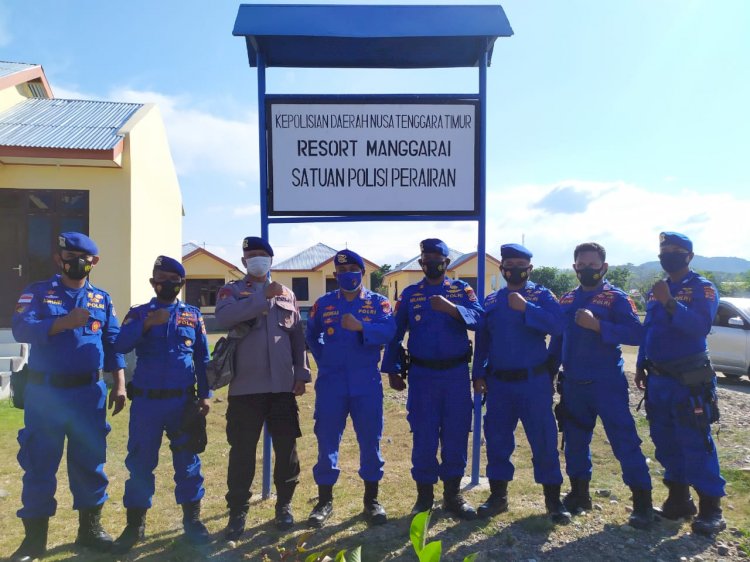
(345, 354)
(433, 335)
(586, 353)
(509, 339)
(171, 355)
(71, 352)
(684, 333)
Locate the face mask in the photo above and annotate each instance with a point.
(433, 269)
(590, 277)
(258, 266)
(516, 275)
(167, 290)
(76, 268)
(349, 280)
(673, 261)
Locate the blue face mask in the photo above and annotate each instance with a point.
(349, 280)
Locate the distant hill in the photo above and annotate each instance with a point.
(718, 264)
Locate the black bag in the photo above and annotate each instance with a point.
(220, 369)
(18, 381)
(194, 425)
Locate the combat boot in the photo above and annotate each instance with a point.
(195, 531)
(284, 518)
(323, 509)
(34, 543)
(425, 498)
(454, 502)
(134, 532)
(643, 509)
(374, 511)
(497, 502)
(555, 508)
(679, 503)
(90, 531)
(709, 520)
(236, 524)
(578, 499)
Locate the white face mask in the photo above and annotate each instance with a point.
(258, 266)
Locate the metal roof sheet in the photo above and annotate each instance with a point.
(413, 264)
(307, 259)
(8, 68)
(69, 124)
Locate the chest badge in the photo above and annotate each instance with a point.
(188, 342)
(418, 317)
(330, 331)
(96, 326)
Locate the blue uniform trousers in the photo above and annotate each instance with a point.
(149, 419)
(332, 406)
(51, 414)
(531, 402)
(688, 454)
(606, 397)
(439, 414)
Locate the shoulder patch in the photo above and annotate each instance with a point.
(26, 298)
(385, 304)
(709, 292)
(470, 293)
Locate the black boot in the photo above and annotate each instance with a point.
(34, 544)
(374, 512)
(236, 524)
(284, 518)
(709, 520)
(90, 531)
(497, 502)
(679, 503)
(555, 508)
(578, 499)
(134, 531)
(643, 509)
(195, 531)
(454, 502)
(425, 498)
(323, 509)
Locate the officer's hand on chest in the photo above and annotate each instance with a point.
(586, 319)
(274, 290)
(77, 318)
(349, 322)
(516, 301)
(156, 318)
(439, 303)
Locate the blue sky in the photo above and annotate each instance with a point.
(607, 121)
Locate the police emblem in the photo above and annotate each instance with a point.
(95, 326)
(329, 331)
(341, 258)
(188, 342)
(418, 317)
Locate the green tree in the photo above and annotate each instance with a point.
(620, 276)
(376, 279)
(559, 282)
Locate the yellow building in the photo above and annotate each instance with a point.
(310, 274)
(462, 266)
(206, 274)
(103, 168)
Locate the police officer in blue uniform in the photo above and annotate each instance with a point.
(71, 326)
(437, 312)
(169, 338)
(681, 400)
(345, 332)
(597, 318)
(511, 368)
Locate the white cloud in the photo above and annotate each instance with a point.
(6, 37)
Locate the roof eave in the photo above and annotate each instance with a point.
(27, 75)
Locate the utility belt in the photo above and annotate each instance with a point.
(694, 370)
(513, 375)
(158, 393)
(64, 381)
(443, 364)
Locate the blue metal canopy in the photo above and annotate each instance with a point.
(368, 36)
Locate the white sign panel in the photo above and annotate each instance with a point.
(372, 157)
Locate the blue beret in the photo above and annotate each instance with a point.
(433, 246)
(170, 265)
(677, 239)
(344, 257)
(77, 242)
(255, 243)
(514, 251)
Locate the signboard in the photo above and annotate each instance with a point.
(349, 155)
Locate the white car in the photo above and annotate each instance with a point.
(729, 338)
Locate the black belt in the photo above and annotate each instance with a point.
(511, 375)
(163, 393)
(64, 381)
(441, 364)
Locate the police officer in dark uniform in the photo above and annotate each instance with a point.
(680, 388)
(511, 368)
(71, 326)
(169, 338)
(597, 318)
(436, 312)
(345, 332)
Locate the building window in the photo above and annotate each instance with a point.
(395, 291)
(471, 281)
(331, 284)
(300, 288)
(202, 292)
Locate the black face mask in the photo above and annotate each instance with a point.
(590, 277)
(433, 269)
(673, 261)
(167, 290)
(516, 275)
(76, 268)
